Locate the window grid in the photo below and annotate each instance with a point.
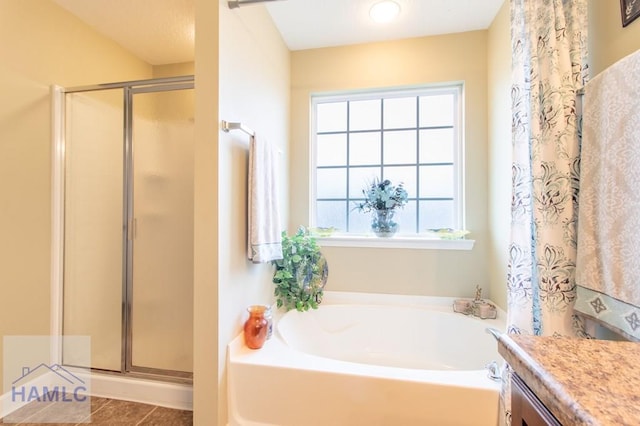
(352, 199)
(418, 160)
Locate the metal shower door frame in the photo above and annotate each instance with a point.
(130, 88)
(127, 324)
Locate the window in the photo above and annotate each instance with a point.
(408, 136)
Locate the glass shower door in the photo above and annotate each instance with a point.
(160, 310)
(127, 256)
(93, 237)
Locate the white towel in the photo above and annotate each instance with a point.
(265, 231)
(608, 253)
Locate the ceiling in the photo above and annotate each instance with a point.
(157, 31)
(306, 24)
(162, 31)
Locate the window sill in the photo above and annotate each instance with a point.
(402, 242)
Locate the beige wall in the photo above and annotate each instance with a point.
(172, 70)
(418, 61)
(608, 40)
(499, 107)
(40, 44)
(241, 76)
(205, 253)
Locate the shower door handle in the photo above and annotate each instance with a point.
(133, 229)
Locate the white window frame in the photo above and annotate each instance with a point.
(414, 241)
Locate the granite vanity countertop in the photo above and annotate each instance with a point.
(581, 381)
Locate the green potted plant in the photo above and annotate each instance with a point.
(383, 198)
(301, 274)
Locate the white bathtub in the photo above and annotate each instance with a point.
(368, 359)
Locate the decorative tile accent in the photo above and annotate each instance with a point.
(618, 316)
(598, 305)
(633, 320)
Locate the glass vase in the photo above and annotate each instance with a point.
(382, 223)
(256, 327)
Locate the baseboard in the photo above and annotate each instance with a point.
(170, 395)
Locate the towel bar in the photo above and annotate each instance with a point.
(228, 126)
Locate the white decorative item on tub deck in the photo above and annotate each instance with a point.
(368, 359)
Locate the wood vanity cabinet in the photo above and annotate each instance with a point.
(526, 408)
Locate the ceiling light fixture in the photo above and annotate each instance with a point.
(384, 11)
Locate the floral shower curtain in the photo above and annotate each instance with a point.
(549, 66)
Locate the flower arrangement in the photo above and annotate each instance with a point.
(383, 196)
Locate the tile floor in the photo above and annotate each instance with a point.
(104, 412)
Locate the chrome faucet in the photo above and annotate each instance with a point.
(478, 297)
(494, 371)
(494, 332)
(476, 307)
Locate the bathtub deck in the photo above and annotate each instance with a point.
(278, 385)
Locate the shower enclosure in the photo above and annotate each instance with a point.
(126, 225)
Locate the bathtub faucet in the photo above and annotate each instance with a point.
(494, 371)
(478, 297)
(477, 306)
(494, 332)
